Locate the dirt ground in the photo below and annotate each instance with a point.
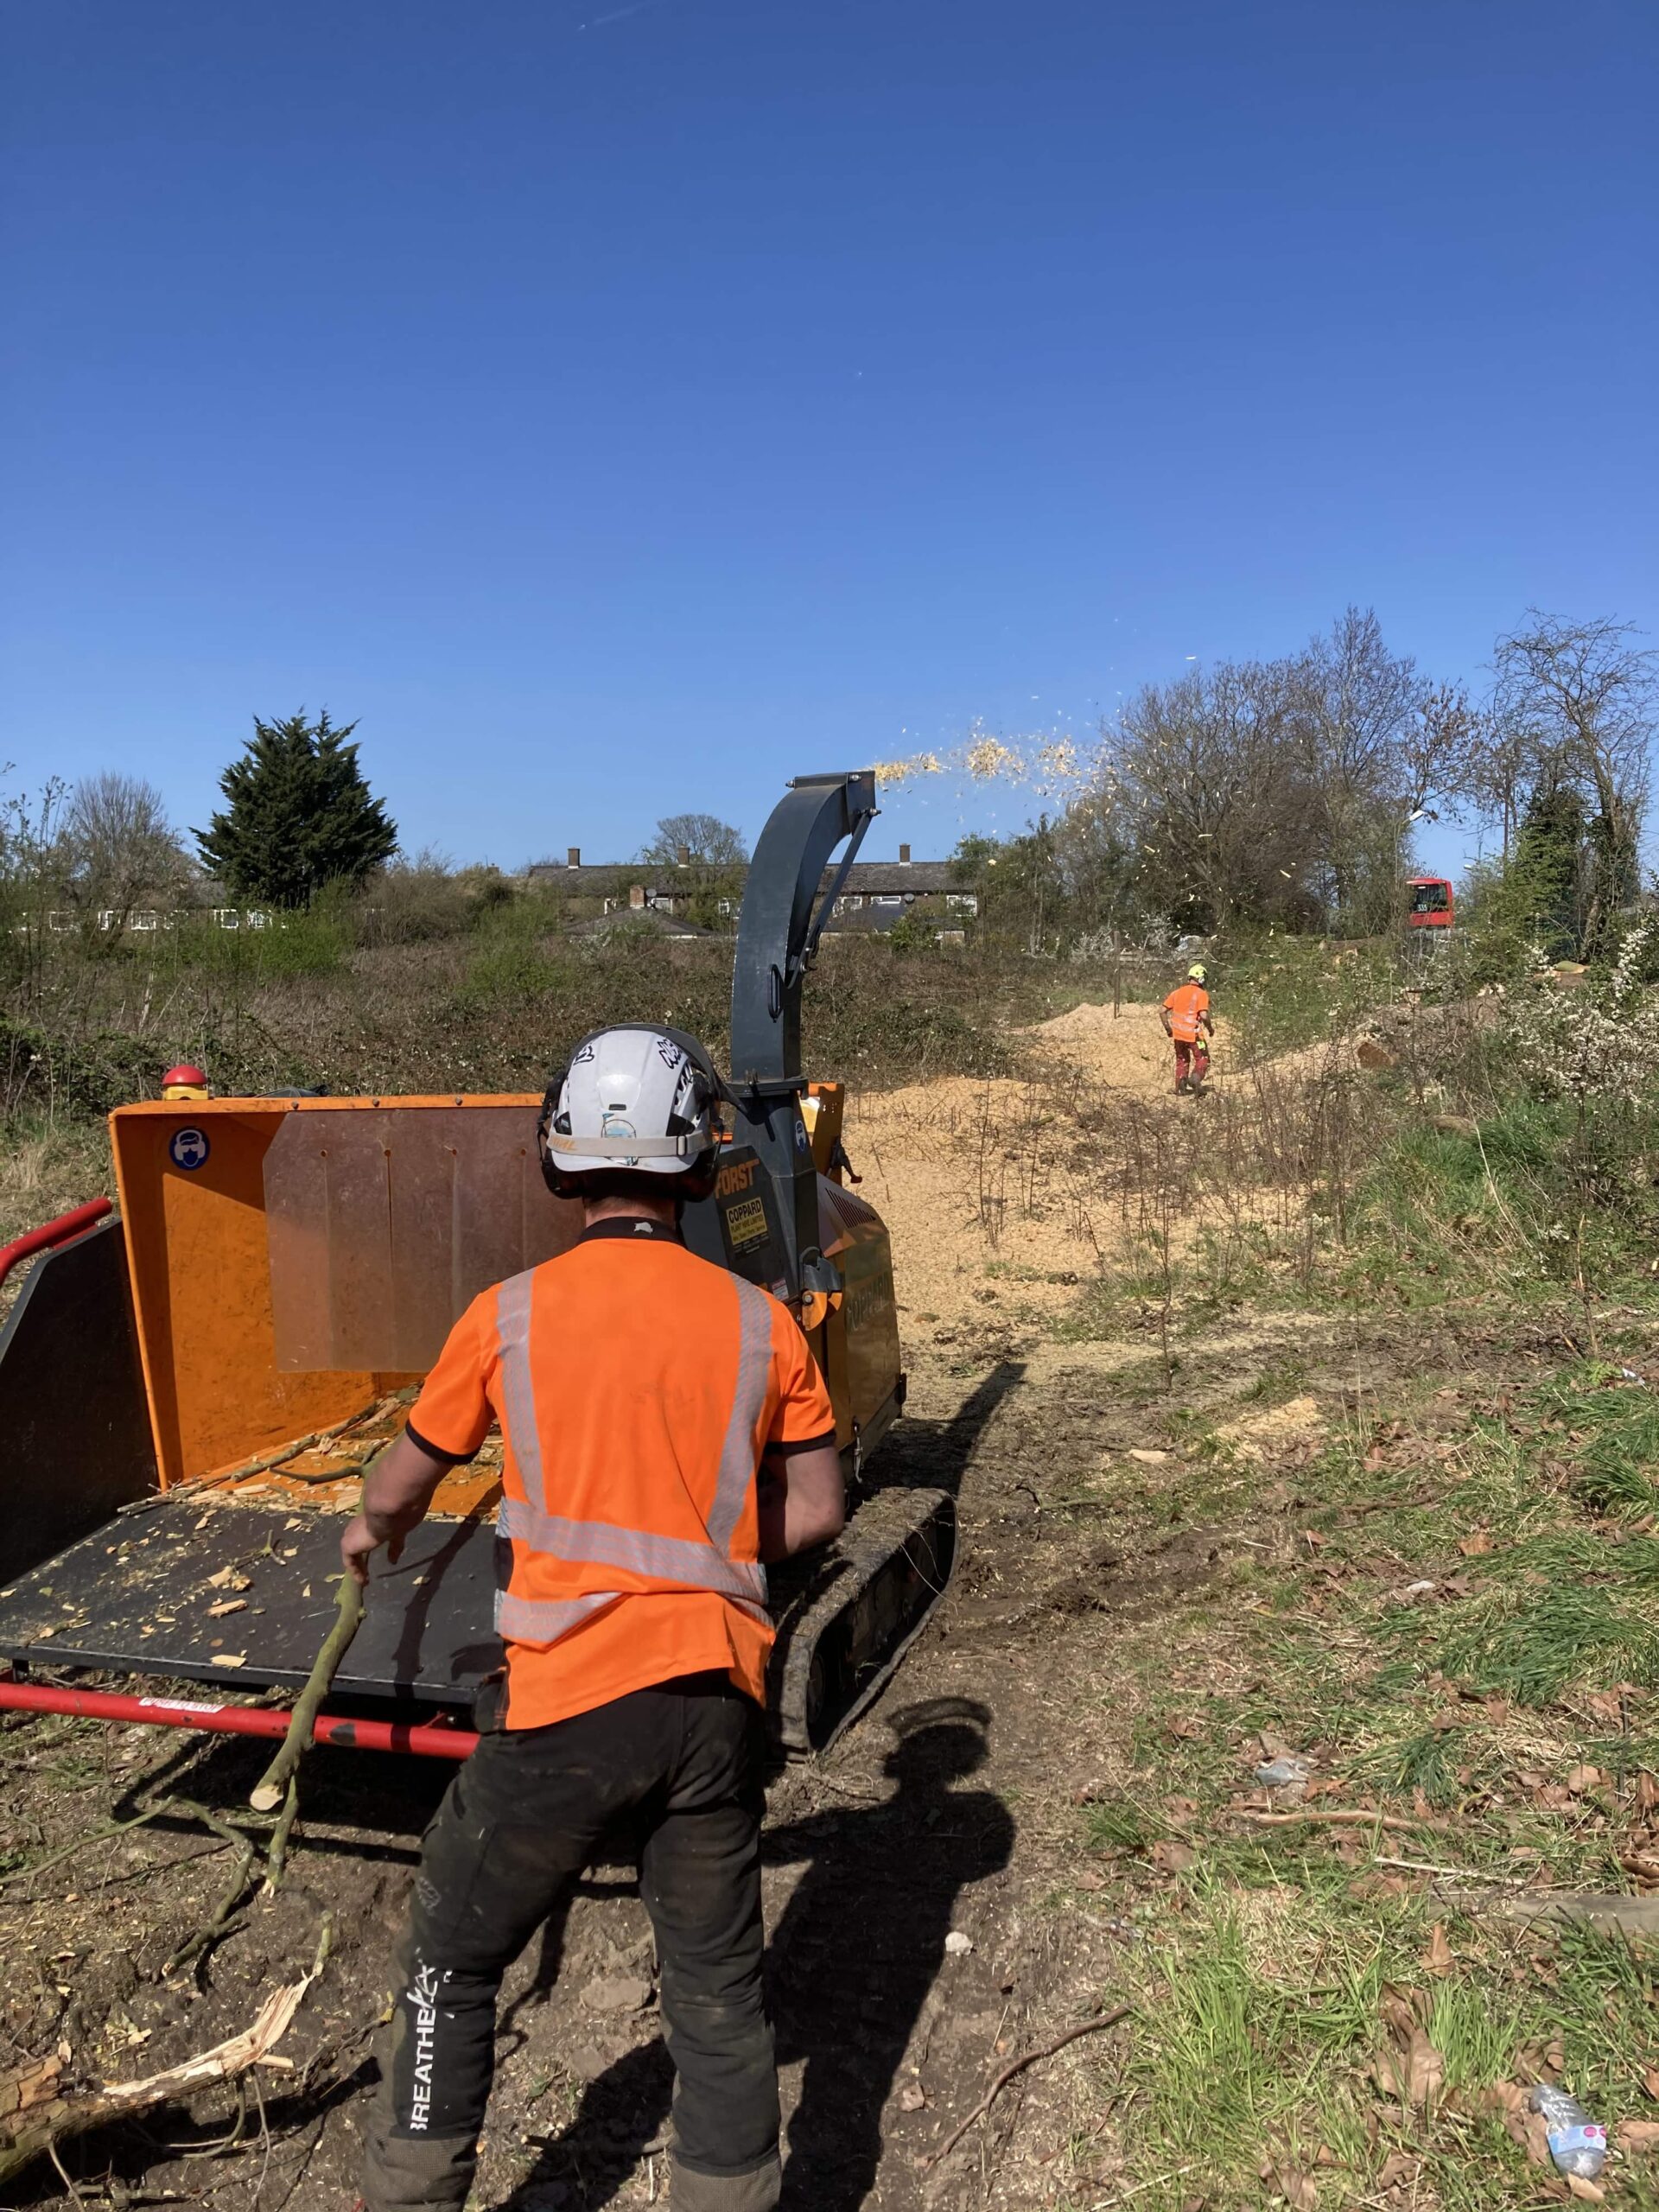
(984, 1184)
(933, 1912)
(945, 1809)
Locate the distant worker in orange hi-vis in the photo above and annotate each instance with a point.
(1185, 1017)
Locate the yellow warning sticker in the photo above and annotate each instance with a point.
(746, 1223)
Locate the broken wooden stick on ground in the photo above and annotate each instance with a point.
(38, 2112)
(1623, 1915)
(1089, 2028)
(1390, 1823)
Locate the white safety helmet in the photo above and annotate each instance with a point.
(635, 1097)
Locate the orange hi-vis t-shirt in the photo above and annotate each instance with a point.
(1184, 1006)
(637, 1386)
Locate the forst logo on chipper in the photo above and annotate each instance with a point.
(737, 1176)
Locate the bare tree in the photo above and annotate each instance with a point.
(701, 840)
(31, 880)
(120, 851)
(1505, 754)
(1440, 752)
(1209, 778)
(1359, 708)
(1361, 698)
(1592, 701)
(1285, 790)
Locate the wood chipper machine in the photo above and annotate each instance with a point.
(188, 1392)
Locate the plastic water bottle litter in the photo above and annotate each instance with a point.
(1577, 2143)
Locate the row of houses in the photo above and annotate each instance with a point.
(875, 898)
(63, 922)
(600, 897)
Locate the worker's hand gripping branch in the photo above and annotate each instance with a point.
(397, 1490)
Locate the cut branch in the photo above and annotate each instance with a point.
(276, 1851)
(273, 1785)
(1387, 1822)
(1621, 1915)
(231, 1898)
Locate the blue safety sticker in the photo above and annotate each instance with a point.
(188, 1148)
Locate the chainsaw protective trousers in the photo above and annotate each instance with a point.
(680, 1763)
(1191, 1062)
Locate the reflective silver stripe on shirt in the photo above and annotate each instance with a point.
(518, 1390)
(544, 1620)
(668, 1559)
(691, 1563)
(748, 1396)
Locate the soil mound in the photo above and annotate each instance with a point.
(976, 1184)
(1127, 1051)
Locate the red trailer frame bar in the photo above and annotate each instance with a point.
(52, 1232)
(434, 1739)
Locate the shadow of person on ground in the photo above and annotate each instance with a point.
(861, 1941)
(622, 2118)
(850, 1967)
(886, 1876)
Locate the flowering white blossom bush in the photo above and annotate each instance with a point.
(1571, 1045)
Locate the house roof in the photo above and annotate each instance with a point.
(639, 921)
(912, 878)
(873, 879)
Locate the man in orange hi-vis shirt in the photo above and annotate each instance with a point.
(1185, 1017)
(638, 1389)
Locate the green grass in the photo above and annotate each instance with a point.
(1286, 993)
(1262, 2031)
(1533, 1201)
(48, 1165)
(512, 969)
(312, 941)
(1532, 1644)
(1267, 1966)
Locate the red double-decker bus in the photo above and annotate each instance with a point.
(1430, 907)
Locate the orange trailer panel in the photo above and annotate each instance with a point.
(192, 1179)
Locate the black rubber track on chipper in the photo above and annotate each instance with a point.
(863, 1606)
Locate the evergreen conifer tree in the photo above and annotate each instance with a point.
(1549, 865)
(298, 814)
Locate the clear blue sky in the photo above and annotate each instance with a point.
(621, 405)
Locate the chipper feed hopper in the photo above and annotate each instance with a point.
(188, 1393)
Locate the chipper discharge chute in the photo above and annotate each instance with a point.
(187, 1394)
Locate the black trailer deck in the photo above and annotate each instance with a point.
(199, 1586)
(230, 1580)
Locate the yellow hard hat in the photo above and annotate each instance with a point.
(1198, 973)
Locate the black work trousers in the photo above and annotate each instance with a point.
(679, 1764)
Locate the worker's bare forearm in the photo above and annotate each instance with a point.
(803, 1499)
(399, 1487)
(397, 1491)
